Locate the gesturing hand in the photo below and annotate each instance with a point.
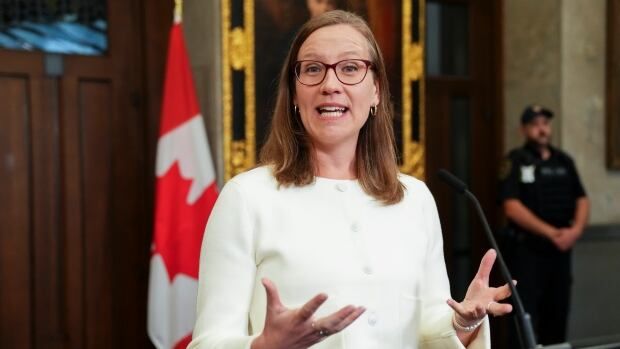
(297, 328)
(481, 299)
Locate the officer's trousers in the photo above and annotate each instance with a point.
(544, 279)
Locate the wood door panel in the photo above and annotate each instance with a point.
(95, 103)
(15, 257)
(73, 216)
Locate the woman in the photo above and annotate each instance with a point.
(326, 244)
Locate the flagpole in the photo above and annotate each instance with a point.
(178, 11)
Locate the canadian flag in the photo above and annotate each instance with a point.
(184, 196)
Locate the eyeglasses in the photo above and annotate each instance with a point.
(348, 71)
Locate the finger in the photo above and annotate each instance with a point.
(502, 292)
(476, 309)
(466, 315)
(498, 309)
(486, 264)
(273, 298)
(458, 307)
(344, 323)
(308, 309)
(332, 320)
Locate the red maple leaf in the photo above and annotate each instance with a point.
(179, 226)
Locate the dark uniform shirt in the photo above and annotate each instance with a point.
(549, 188)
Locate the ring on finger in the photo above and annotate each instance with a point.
(321, 333)
(489, 306)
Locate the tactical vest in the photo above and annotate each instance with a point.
(548, 187)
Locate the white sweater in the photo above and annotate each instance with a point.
(328, 237)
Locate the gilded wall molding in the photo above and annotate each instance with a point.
(238, 55)
(413, 156)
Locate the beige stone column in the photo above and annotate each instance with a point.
(532, 60)
(202, 24)
(583, 104)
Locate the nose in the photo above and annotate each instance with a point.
(331, 84)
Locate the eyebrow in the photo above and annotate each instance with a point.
(313, 55)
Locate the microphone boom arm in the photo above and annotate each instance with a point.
(527, 331)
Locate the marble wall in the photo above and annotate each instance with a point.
(554, 54)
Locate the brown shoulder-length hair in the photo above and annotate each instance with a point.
(288, 147)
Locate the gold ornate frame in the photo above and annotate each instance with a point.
(238, 55)
(613, 85)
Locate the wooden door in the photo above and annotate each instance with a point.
(76, 179)
(464, 125)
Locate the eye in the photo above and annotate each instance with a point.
(350, 67)
(311, 68)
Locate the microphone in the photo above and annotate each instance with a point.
(524, 319)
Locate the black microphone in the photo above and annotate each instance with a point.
(525, 321)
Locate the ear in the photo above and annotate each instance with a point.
(376, 94)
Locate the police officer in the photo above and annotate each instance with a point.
(547, 209)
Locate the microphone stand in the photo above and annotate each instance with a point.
(524, 320)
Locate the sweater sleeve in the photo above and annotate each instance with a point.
(436, 329)
(227, 275)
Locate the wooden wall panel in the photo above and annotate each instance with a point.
(95, 114)
(15, 253)
(72, 216)
(47, 237)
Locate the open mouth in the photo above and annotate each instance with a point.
(331, 112)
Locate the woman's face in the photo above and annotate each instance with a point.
(333, 113)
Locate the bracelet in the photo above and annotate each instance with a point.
(470, 328)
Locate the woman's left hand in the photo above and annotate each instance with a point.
(481, 299)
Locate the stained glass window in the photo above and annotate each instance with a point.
(54, 26)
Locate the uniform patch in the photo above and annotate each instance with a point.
(504, 169)
(557, 171)
(527, 174)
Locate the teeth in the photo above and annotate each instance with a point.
(331, 114)
(331, 111)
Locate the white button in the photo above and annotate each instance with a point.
(355, 227)
(341, 187)
(372, 318)
(367, 270)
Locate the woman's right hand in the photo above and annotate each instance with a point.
(297, 328)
